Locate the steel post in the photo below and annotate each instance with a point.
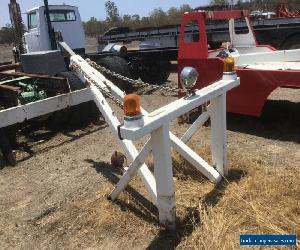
(163, 173)
(219, 135)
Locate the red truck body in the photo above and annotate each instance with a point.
(257, 81)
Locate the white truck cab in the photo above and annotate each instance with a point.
(65, 20)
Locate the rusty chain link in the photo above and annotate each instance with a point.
(103, 91)
(135, 83)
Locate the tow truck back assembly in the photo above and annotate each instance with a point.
(139, 123)
(205, 77)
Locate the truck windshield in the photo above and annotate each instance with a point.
(62, 15)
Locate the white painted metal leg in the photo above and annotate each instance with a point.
(134, 166)
(195, 126)
(128, 147)
(163, 172)
(217, 110)
(194, 159)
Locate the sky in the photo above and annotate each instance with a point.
(95, 8)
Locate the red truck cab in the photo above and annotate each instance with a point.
(261, 68)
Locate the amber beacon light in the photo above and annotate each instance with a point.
(229, 64)
(132, 105)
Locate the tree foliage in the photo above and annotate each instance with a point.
(156, 18)
(265, 5)
(112, 12)
(6, 35)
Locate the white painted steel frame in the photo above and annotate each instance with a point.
(109, 116)
(161, 187)
(157, 124)
(179, 107)
(181, 148)
(272, 56)
(35, 109)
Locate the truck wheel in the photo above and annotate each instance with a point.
(291, 43)
(2, 160)
(156, 73)
(74, 81)
(80, 113)
(120, 66)
(7, 155)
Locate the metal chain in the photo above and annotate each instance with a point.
(135, 83)
(91, 81)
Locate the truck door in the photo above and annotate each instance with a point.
(32, 37)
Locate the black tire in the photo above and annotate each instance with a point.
(118, 65)
(156, 72)
(74, 81)
(79, 114)
(291, 43)
(2, 160)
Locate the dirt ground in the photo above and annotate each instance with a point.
(55, 198)
(6, 53)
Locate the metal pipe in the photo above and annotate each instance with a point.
(50, 29)
(11, 66)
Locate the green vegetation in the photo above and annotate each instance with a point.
(265, 5)
(6, 35)
(156, 18)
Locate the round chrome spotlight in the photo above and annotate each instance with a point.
(188, 77)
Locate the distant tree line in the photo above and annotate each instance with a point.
(156, 18)
(6, 35)
(262, 5)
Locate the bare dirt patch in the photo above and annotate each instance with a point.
(6, 54)
(56, 196)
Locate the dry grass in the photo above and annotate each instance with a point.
(255, 199)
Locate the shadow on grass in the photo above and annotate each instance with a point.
(171, 239)
(40, 132)
(147, 211)
(141, 207)
(183, 170)
(280, 120)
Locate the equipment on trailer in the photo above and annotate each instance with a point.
(25, 96)
(261, 68)
(283, 11)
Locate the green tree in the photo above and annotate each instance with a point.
(158, 17)
(173, 15)
(95, 27)
(7, 34)
(219, 2)
(185, 8)
(112, 12)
